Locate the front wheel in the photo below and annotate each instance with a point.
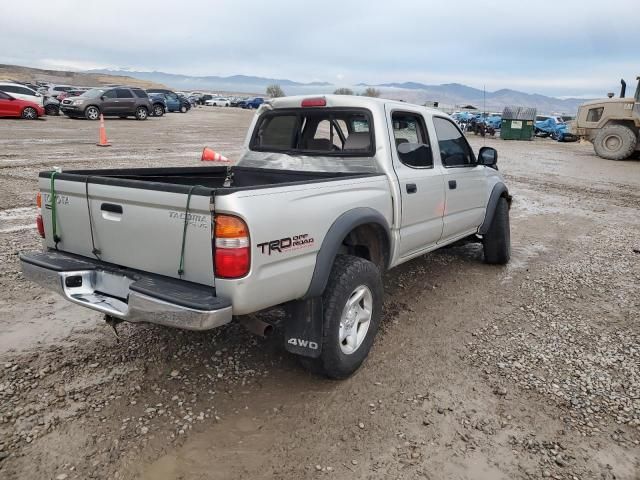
(183, 109)
(497, 241)
(158, 111)
(52, 110)
(92, 113)
(615, 142)
(141, 113)
(352, 308)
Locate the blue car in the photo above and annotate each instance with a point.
(174, 102)
(254, 102)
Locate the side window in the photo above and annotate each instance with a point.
(109, 94)
(4, 96)
(454, 149)
(24, 91)
(9, 89)
(140, 93)
(595, 114)
(124, 93)
(409, 128)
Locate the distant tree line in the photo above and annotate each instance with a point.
(275, 91)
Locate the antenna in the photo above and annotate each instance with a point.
(484, 112)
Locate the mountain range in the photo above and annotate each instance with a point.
(450, 94)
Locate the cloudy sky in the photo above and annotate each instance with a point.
(554, 47)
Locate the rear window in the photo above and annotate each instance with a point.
(326, 131)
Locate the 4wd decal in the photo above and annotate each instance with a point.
(285, 244)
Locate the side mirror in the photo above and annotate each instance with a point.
(102, 97)
(488, 156)
(415, 154)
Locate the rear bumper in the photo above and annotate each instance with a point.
(126, 294)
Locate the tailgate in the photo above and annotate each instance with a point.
(138, 227)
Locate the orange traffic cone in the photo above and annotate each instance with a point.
(103, 134)
(208, 155)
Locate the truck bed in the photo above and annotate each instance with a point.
(181, 179)
(138, 218)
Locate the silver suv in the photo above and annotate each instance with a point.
(116, 102)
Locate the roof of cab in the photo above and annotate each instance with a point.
(345, 101)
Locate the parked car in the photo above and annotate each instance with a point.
(51, 106)
(11, 106)
(235, 101)
(253, 102)
(175, 101)
(70, 93)
(55, 90)
(116, 102)
(192, 247)
(22, 92)
(158, 104)
(218, 102)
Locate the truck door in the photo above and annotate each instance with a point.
(464, 179)
(421, 183)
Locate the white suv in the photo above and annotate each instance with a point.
(21, 92)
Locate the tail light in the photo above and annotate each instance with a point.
(39, 222)
(314, 102)
(232, 247)
(40, 225)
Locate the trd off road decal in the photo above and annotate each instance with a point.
(286, 244)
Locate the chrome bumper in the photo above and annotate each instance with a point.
(104, 291)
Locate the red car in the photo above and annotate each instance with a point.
(13, 107)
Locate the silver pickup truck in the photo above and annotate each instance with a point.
(329, 192)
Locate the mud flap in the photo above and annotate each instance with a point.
(303, 327)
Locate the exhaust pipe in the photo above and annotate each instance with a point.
(623, 88)
(256, 326)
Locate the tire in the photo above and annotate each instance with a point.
(142, 113)
(29, 113)
(615, 142)
(158, 110)
(350, 277)
(183, 109)
(497, 241)
(52, 110)
(92, 112)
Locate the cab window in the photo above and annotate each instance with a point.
(454, 149)
(409, 128)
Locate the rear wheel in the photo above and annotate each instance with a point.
(92, 113)
(615, 142)
(141, 113)
(183, 109)
(497, 241)
(352, 308)
(30, 113)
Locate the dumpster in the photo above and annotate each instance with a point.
(518, 123)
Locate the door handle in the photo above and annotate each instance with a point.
(452, 184)
(111, 207)
(412, 188)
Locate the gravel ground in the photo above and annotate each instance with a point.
(526, 371)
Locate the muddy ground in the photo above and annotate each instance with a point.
(479, 372)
